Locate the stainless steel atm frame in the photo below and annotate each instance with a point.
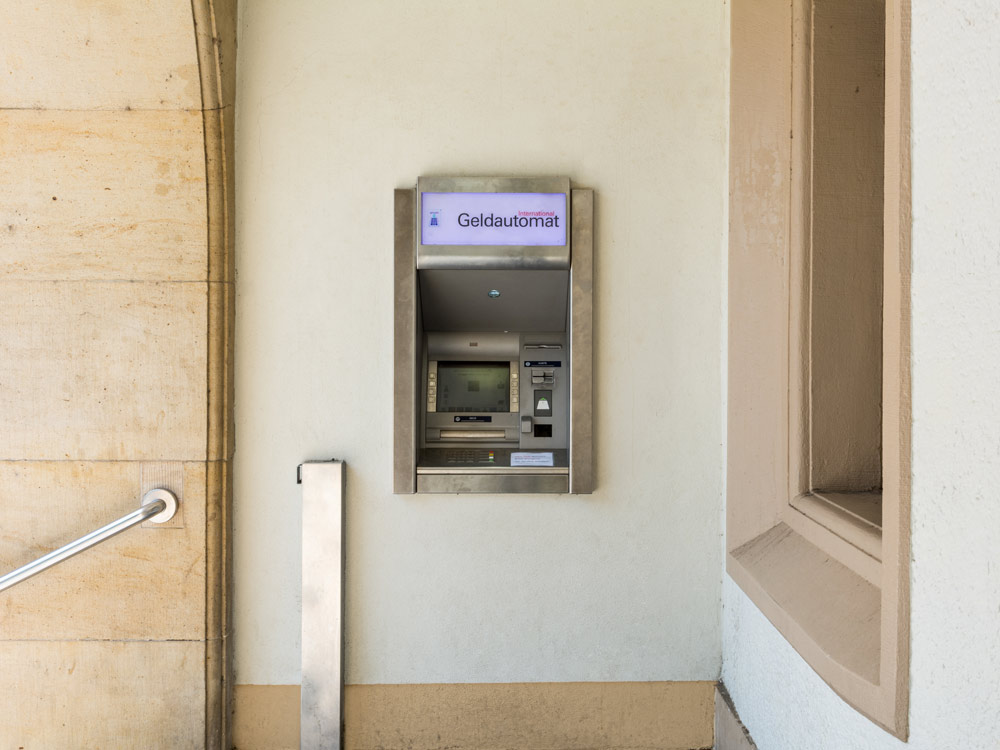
(573, 471)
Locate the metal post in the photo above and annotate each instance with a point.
(322, 712)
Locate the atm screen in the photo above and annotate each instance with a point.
(473, 386)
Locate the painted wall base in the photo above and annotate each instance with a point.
(528, 716)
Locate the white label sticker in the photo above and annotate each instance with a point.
(531, 459)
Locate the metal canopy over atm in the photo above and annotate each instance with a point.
(493, 336)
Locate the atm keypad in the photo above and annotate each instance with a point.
(432, 388)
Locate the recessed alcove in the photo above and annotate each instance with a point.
(840, 349)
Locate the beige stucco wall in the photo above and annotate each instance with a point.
(340, 103)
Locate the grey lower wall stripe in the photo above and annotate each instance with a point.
(730, 732)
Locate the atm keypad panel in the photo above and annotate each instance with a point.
(545, 403)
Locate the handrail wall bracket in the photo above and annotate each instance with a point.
(167, 497)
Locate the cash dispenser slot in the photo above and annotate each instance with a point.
(474, 435)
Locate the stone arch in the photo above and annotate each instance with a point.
(116, 259)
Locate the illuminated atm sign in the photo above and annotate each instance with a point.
(494, 219)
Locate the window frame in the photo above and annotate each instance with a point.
(781, 536)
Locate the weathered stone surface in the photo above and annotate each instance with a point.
(103, 195)
(115, 212)
(112, 54)
(103, 371)
(136, 695)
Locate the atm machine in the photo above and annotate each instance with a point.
(493, 336)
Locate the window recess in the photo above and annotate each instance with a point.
(818, 446)
(839, 85)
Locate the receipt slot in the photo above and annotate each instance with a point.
(493, 336)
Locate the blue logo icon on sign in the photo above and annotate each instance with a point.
(434, 218)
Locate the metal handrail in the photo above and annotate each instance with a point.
(157, 506)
